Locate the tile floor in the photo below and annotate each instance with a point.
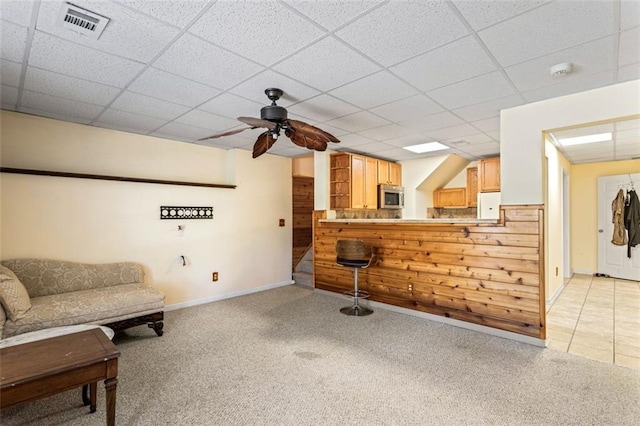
(598, 318)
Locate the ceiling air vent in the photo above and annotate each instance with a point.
(82, 21)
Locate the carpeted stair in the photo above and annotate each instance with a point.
(303, 275)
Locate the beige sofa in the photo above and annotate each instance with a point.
(67, 293)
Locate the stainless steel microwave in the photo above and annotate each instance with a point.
(390, 197)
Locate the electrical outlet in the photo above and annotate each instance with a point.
(214, 276)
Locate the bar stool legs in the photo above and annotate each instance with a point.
(356, 310)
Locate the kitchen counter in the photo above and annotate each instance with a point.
(413, 221)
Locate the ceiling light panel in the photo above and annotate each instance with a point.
(580, 140)
(426, 147)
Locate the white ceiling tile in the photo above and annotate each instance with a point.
(628, 73)
(406, 109)
(8, 107)
(479, 138)
(629, 14)
(59, 106)
(254, 88)
(256, 22)
(401, 29)
(63, 86)
(373, 90)
(448, 64)
(633, 124)
(162, 85)
(373, 146)
(181, 132)
(129, 121)
(128, 34)
(322, 108)
(570, 86)
(495, 134)
(473, 91)
(589, 58)
(233, 106)
(64, 57)
(289, 150)
(353, 139)
(488, 109)
(549, 28)
(324, 126)
(481, 14)
(487, 124)
(629, 47)
(177, 13)
(145, 105)
(582, 131)
(459, 131)
(8, 95)
(484, 150)
(10, 73)
(203, 62)
(14, 41)
(16, 11)
(387, 132)
(313, 65)
(396, 154)
(433, 121)
(333, 13)
(207, 120)
(54, 114)
(408, 140)
(359, 121)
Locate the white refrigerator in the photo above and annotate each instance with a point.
(488, 205)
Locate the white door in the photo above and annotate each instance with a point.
(612, 259)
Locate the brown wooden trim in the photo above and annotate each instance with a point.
(114, 178)
(543, 278)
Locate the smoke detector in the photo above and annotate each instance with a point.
(82, 21)
(561, 69)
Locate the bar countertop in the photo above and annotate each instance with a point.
(414, 221)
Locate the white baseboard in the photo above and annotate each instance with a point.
(553, 298)
(223, 296)
(584, 272)
(450, 321)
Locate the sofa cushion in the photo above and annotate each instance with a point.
(43, 277)
(13, 296)
(95, 306)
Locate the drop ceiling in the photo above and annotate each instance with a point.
(379, 75)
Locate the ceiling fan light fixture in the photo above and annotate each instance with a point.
(426, 147)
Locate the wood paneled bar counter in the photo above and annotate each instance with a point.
(486, 272)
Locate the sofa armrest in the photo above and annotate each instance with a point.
(3, 319)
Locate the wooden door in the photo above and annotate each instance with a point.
(358, 170)
(395, 174)
(489, 174)
(302, 216)
(472, 187)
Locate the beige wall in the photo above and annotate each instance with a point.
(584, 211)
(302, 166)
(105, 221)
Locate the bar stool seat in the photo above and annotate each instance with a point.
(357, 255)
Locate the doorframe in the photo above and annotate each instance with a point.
(566, 224)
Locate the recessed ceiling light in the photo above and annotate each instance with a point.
(600, 137)
(426, 147)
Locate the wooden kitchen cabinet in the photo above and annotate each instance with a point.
(472, 187)
(353, 182)
(389, 173)
(450, 197)
(489, 174)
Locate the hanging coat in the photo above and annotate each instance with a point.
(632, 220)
(617, 210)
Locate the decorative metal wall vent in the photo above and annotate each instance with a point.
(171, 212)
(82, 21)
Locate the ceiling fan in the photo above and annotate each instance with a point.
(274, 119)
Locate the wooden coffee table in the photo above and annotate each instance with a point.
(43, 368)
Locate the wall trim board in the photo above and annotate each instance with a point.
(449, 321)
(218, 297)
(112, 178)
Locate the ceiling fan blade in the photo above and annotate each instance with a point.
(263, 143)
(300, 139)
(312, 131)
(229, 133)
(257, 122)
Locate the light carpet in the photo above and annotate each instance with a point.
(288, 357)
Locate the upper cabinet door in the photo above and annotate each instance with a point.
(395, 174)
(489, 174)
(472, 187)
(389, 173)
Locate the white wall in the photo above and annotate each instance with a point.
(414, 173)
(521, 139)
(104, 221)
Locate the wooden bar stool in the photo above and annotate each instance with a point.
(354, 254)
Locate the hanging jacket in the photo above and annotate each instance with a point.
(632, 220)
(617, 210)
